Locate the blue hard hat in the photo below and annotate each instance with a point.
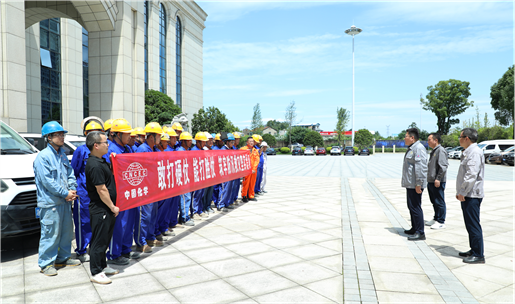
(213, 134)
(230, 136)
(52, 127)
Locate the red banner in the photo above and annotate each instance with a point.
(143, 178)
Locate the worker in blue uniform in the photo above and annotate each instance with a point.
(120, 252)
(224, 200)
(259, 177)
(177, 127)
(185, 204)
(198, 195)
(81, 204)
(163, 210)
(176, 200)
(208, 195)
(236, 182)
(216, 188)
(107, 129)
(56, 188)
(145, 236)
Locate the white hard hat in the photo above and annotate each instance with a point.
(264, 144)
(208, 135)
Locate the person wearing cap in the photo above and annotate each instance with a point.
(168, 221)
(107, 129)
(81, 204)
(140, 137)
(56, 186)
(124, 224)
(177, 127)
(236, 182)
(132, 141)
(197, 195)
(264, 146)
(224, 199)
(164, 206)
(185, 204)
(145, 236)
(259, 175)
(216, 188)
(247, 189)
(208, 195)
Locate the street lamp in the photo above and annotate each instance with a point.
(353, 31)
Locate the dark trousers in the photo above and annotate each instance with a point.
(470, 208)
(437, 197)
(208, 198)
(102, 226)
(415, 210)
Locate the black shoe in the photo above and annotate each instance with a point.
(253, 199)
(417, 237)
(466, 254)
(474, 260)
(229, 207)
(245, 199)
(411, 231)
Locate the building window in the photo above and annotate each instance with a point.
(145, 27)
(178, 42)
(51, 91)
(85, 73)
(162, 49)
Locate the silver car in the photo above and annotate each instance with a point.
(336, 150)
(309, 151)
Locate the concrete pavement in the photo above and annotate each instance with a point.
(328, 230)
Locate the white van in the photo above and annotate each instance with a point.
(18, 187)
(491, 146)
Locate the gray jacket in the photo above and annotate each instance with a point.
(470, 180)
(437, 167)
(414, 169)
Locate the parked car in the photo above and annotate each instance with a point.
(492, 146)
(335, 150)
(455, 153)
(496, 157)
(348, 150)
(508, 158)
(364, 151)
(18, 198)
(321, 151)
(309, 151)
(271, 151)
(38, 141)
(297, 150)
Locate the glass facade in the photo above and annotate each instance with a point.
(85, 73)
(145, 28)
(178, 42)
(51, 90)
(162, 49)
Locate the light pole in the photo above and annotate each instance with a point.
(353, 31)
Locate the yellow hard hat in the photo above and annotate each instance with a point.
(236, 135)
(185, 136)
(153, 127)
(255, 137)
(217, 136)
(165, 136)
(200, 136)
(107, 124)
(139, 131)
(93, 125)
(171, 132)
(165, 129)
(177, 126)
(121, 125)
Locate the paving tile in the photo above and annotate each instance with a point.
(261, 234)
(20, 298)
(127, 287)
(331, 288)
(65, 277)
(304, 272)
(12, 285)
(154, 297)
(504, 295)
(189, 243)
(403, 282)
(486, 272)
(232, 267)
(84, 293)
(406, 297)
(282, 241)
(209, 254)
(177, 277)
(333, 263)
(249, 248)
(217, 291)
(261, 282)
(335, 244)
(310, 251)
(164, 261)
(273, 258)
(293, 295)
(395, 264)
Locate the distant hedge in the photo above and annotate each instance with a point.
(285, 150)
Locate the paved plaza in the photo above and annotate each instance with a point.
(329, 230)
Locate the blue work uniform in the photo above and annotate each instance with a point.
(164, 209)
(185, 203)
(225, 191)
(54, 177)
(81, 205)
(216, 188)
(236, 185)
(259, 176)
(197, 195)
(148, 212)
(123, 232)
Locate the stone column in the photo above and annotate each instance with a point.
(13, 82)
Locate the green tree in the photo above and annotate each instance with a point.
(502, 97)
(277, 125)
(289, 118)
(211, 120)
(363, 138)
(492, 133)
(343, 117)
(257, 121)
(378, 136)
(160, 108)
(297, 134)
(314, 139)
(270, 140)
(447, 99)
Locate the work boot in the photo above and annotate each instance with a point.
(119, 261)
(189, 223)
(131, 255)
(110, 271)
(196, 216)
(83, 257)
(68, 262)
(161, 238)
(49, 271)
(229, 207)
(245, 199)
(204, 215)
(144, 249)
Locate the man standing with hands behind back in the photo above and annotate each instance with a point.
(102, 193)
(469, 191)
(414, 179)
(436, 178)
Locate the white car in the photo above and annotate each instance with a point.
(336, 150)
(455, 153)
(71, 142)
(309, 151)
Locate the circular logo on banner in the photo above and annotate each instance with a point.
(134, 174)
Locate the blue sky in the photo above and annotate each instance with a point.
(274, 52)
